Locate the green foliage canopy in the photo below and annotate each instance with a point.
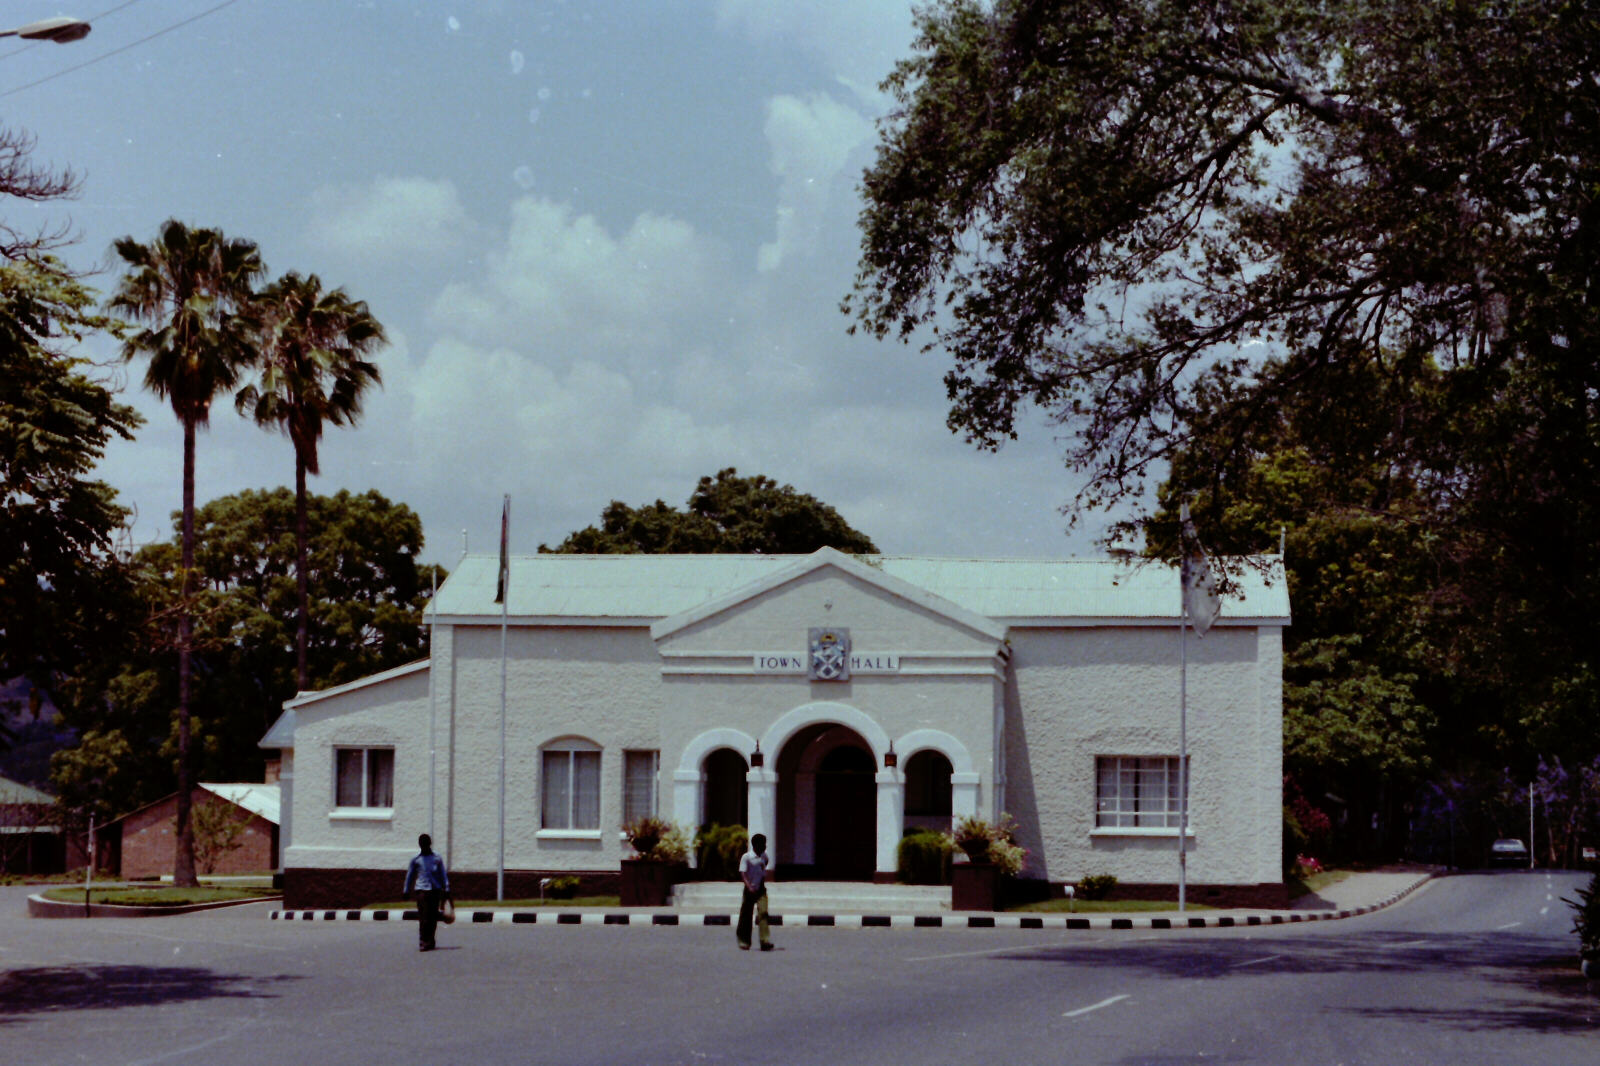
(1325, 266)
(1088, 202)
(727, 514)
(57, 524)
(367, 596)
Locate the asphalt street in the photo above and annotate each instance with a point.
(1470, 969)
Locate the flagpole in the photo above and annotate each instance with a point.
(504, 596)
(1183, 742)
(433, 704)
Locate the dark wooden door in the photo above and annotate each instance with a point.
(847, 815)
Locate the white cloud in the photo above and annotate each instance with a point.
(388, 217)
(495, 420)
(860, 41)
(810, 140)
(562, 282)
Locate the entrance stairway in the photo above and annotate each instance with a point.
(805, 897)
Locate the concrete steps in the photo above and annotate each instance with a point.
(810, 897)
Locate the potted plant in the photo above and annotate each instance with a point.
(992, 854)
(973, 836)
(1586, 923)
(661, 851)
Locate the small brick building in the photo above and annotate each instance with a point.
(144, 838)
(31, 837)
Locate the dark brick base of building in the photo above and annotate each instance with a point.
(325, 889)
(305, 889)
(1266, 896)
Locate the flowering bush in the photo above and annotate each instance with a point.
(673, 847)
(1008, 856)
(1306, 865)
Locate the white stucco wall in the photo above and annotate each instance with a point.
(1082, 693)
(601, 684)
(391, 713)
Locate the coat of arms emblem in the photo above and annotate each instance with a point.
(829, 658)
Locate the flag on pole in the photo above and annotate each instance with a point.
(1201, 599)
(504, 582)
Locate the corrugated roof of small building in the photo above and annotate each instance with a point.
(15, 792)
(600, 588)
(259, 799)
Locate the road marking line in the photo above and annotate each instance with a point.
(1253, 962)
(1508, 925)
(1095, 1006)
(1406, 944)
(1544, 910)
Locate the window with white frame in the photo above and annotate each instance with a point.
(570, 785)
(363, 777)
(1136, 792)
(640, 769)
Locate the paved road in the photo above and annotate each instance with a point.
(1471, 969)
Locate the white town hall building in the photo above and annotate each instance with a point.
(830, 701)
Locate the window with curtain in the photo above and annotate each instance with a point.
(640, 770)
(363, 777)
(1137, 792)
(570, 785)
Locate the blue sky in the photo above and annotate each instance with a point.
(608, 242)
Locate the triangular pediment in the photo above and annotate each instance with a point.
(853, 572)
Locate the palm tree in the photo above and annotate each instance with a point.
(314, 371)
(192, 287)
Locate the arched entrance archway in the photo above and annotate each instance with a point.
(826, 804)
(929, 796)
(725, 799)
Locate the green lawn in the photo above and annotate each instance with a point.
(157, 895)
(1104, 906)
(1302, 886)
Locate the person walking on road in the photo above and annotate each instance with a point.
(753, 872)
(426, 877)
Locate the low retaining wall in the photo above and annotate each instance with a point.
(40, 907)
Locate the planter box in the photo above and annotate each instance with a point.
(649, 884)
(974, 886)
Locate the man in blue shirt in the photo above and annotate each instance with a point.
(426, 876)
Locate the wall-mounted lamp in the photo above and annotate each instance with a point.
(757, 760)
(890, 759)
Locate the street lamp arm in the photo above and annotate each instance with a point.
(60, 30)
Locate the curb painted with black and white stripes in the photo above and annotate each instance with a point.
(592, 917)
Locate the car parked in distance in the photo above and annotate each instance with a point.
(1508, 852)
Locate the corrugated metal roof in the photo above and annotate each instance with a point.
(597, 588)
(16, 792)
(261, 800)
